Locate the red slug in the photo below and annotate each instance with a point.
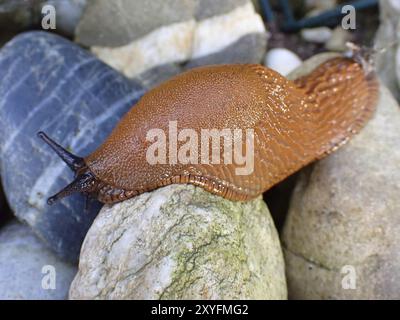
(290, 123)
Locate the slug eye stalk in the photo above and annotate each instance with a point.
(73, 162)
(84, 181)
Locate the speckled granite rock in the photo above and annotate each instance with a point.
(344, 216)
(172, 32)
(50, 84)
(181, 242)
(24, 262)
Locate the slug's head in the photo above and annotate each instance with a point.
(84, 182)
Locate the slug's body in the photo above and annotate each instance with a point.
(294, 123)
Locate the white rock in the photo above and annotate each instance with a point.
(26, 264)
(317, 35)
(172, 43)
(181, 242)
(182, 41)
(216, 33)
(282, 60)
(338, 40)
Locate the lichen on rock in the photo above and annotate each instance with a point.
(181, 242)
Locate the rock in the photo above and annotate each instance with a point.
(233, 25)
(398, 65)
(338, 40)
(209, 8)
(282, 60)
(50, 84)
(4, 210)
(26, 265)
(203, 32)
(248, 49)
(181, 242)
(155, 76)
(343, 220)
(15, 16)
(68, 14)
(168, 44)
(388, 37)
(317, 35)
(124, 21)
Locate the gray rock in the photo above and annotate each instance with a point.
(344, 216)
(388, 37)
(248, 49)
(68, 14)
(159, 74)
(50, 84)
(209, 8)
(26, 266)
(181, 242)
(317, 35)
(237, 35)
(123, 21)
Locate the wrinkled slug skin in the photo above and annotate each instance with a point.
(294, 123)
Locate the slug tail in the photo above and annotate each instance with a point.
(343, 93)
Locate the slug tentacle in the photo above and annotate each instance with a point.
(84, 183)
(74, 163)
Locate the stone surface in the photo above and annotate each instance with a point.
(25, 263)
(208, 8)
(388, 37)
(282, 60)
(248, 49)
(50, 84)
(216, 33)
(5, 213)
(181, 242)
(155, 76)
(344, 215)
(124, 21)
(221, 32)
(317, 35)
(337, 41)
(165, 45)
(68, 14)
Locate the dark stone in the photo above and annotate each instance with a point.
(48, 83)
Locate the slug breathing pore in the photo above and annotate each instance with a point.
(293, 123)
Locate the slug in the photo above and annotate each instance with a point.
(293, 123)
